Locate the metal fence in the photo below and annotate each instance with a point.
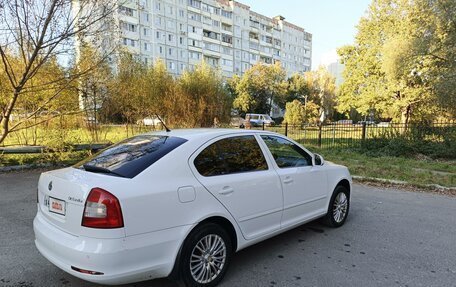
(357, 135)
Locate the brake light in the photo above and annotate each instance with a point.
(102, 210)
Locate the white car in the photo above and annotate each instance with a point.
(151, 121)
(180, 203)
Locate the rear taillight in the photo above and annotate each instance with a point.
(102, 210)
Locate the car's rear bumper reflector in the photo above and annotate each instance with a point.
(86, 271)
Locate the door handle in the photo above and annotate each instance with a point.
(288, 180)
(226, 190)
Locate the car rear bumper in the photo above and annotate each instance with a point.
(123, 260)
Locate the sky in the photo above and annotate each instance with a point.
(331, 22)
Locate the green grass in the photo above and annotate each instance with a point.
(55, 136)
(60, 158)
(413, 170)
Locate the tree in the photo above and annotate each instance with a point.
(126, 90)
(160, 89)
(200, 98)
(321, 87)
(402, 63)
(92, 85)
(260, 87)
(34, 33)
(295, 113)
(298, 88)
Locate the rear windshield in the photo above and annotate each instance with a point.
(131, 156)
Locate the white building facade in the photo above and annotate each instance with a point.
(225, 34)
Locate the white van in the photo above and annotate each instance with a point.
(259, 119)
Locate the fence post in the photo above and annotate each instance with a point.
(319, 134)
(263, 126)
(286, 129)
(363, 135)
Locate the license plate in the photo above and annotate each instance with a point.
(57, 206)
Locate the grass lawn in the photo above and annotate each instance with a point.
(53, 136)
(412, 170)
(58, 159)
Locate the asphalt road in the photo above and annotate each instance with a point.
(391, 238)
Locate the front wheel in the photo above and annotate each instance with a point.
(338, 208)
(206, 255)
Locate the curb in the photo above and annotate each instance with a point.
(403, 183)
(25, 167)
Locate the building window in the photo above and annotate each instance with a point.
(227, 39)
(128, 27)
(194, 55)
(227, 51)
(211, 61)
(194, 16)
(227, 14)
(171, 66)
(227, 62)
(129, 42)
(195, 3)
(126, 11)
(212, 47)
(211, 34)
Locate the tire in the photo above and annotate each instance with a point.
(337, 210)
(192, 274)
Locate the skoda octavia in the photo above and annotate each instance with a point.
(180, 203)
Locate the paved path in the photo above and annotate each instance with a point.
(392, 238)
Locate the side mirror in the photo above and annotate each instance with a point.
(318, 159)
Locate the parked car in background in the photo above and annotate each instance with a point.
(383, 124)
(150, 121)
(237, 122)
(181, 203)
(368, 123)
(260, 119)
(345, 122)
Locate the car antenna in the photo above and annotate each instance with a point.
(161, 121)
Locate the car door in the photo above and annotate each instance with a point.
(304, 184)
(235, 170)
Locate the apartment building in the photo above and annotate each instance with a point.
(226, 34)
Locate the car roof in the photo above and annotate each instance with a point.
(190, 134)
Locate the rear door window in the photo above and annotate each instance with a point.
(131, 156)
(231, 155)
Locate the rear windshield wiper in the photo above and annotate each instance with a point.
(99, 169)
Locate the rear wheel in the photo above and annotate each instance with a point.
(206, 255)
(338, 208)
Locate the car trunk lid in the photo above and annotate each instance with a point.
(62, 195)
